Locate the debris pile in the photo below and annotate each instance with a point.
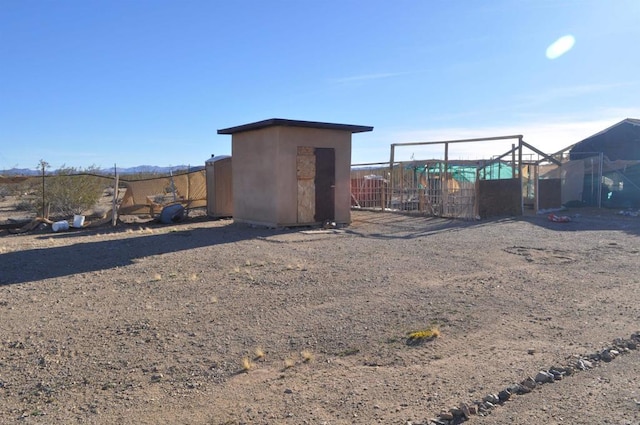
(629, 213)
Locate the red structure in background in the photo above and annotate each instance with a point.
(368, 191)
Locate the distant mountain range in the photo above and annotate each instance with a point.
(147, 169)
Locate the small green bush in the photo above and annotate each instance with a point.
(70, 191)
(4, 191)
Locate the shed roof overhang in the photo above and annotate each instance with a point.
(274, 122)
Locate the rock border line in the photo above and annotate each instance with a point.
(465, 411)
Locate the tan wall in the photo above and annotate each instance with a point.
(268, 192)
(255, 176)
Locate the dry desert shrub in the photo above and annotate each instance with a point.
(258, 353)
(246, 364)
(69, 190)
(307, 355)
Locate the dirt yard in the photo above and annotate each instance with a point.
(207, 322)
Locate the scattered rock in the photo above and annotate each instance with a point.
(447, 416)
(491, 398)
(465, 410)
(543, 377)
(456, 412)
(529, 383)
(504, 395)
(568, 371)
(557, 375)
(584, 364)
(516, 389)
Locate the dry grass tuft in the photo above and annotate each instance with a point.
(247, 364)
(258, 353)
(156, 277)
(307, 355)
(193, 277)
(298, 267)
(289, 363)
(424, 334)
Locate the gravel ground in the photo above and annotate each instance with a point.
(208, 322)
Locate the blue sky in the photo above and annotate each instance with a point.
(150, 82)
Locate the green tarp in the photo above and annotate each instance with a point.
(466, 173)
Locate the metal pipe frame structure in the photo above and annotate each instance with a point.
(446, 155)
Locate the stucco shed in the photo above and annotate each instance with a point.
(289, 172)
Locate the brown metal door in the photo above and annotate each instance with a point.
(325, 183)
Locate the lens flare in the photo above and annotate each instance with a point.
(560, 46)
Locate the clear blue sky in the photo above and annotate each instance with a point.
(87, 82)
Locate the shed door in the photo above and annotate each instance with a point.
(325, 184)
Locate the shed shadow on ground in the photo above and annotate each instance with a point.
(89, 256)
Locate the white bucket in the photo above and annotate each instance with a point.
(60, 225)
(78, 221)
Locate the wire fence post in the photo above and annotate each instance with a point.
(114, 210)
(44, 164)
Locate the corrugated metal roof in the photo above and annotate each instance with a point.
(633, 121)
(620, 141)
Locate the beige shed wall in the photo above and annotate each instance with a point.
(265, 187)
(255, 176)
